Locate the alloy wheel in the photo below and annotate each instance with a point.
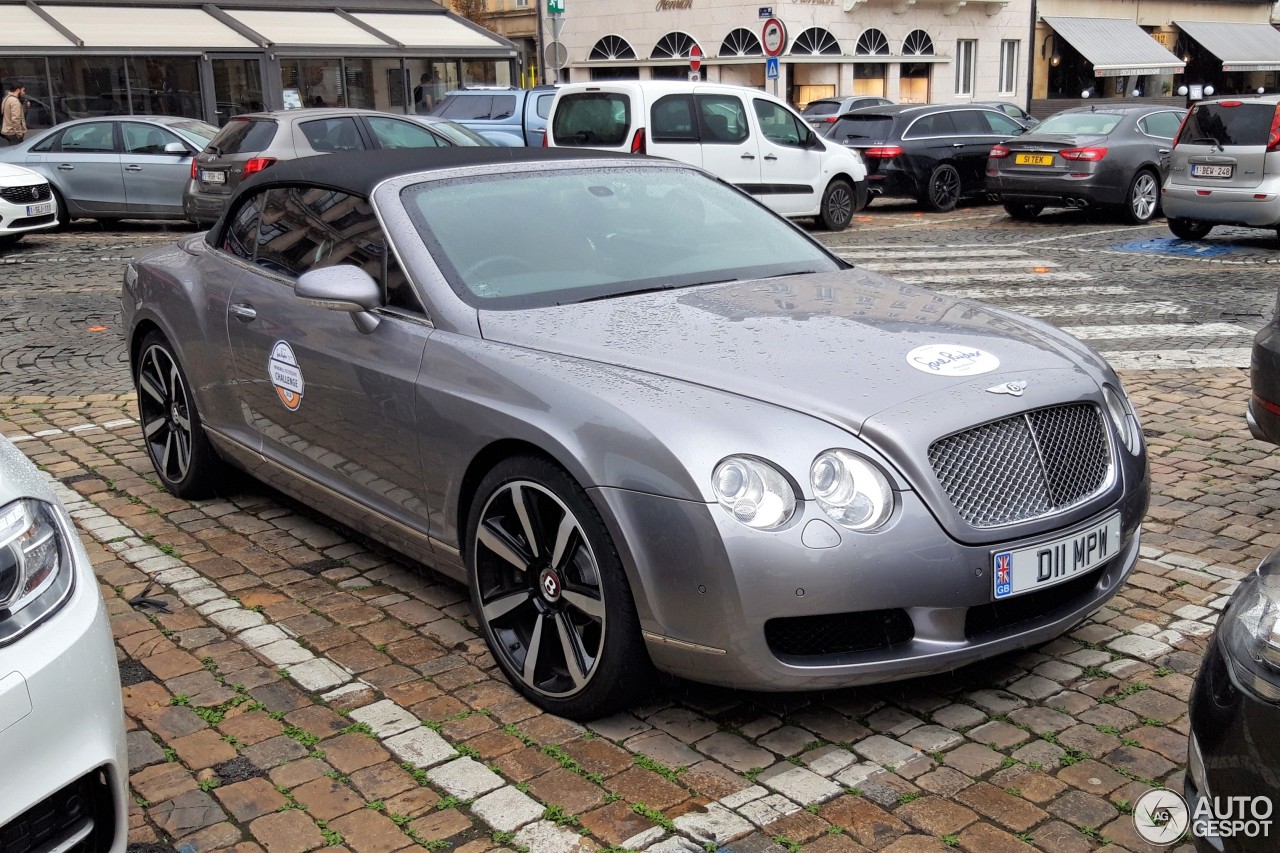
(839, 205)
(944, 188)
(539, 588)
(1144, 197)
(165, 410)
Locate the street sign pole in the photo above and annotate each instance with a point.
(555, 12)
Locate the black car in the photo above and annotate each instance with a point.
(1233, 754)
(934, 153)
(1263, 414)
(1113, 157)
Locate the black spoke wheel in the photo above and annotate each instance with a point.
(838, 205)
(549, 591)
(181, 454)
(943, 190)
(1189, 229)
(1143, 200)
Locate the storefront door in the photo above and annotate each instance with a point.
(237, 86)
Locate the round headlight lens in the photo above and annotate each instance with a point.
(1123, 417)
(850, 490)
(754, 492)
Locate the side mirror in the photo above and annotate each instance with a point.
(177, 148)
(811, 140)
(342, 288)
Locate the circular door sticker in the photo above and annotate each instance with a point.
(952, 360)
(285, 375)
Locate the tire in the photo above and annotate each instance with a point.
(1189, 229)
(7, 240)
(1142, 201)
(839, 203)
(180, 452)
(546, 583)
(942, 192)
(64, 218)
(1022, 212)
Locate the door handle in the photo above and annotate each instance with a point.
(243, 312)
(748, 156)
(1164, 150)
(65, 167)
(957, 145)
(133, 168)
(771, 157)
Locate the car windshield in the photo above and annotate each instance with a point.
(1094, 124)
(572, 235)
(195, 131)
(459, 134)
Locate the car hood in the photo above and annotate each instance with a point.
(12, 175)
(841, 346)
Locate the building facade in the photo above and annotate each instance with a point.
(910, 51)
(214, 60)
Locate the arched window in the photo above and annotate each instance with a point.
(673, 46)
(612, 47)
(917, 43)
(815, 41)
(872, 43)
(741, 42)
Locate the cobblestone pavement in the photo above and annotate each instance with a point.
(292, 688)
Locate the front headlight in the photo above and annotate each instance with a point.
(35, 572)
(754, 492)
(1251, 635)
(1124, 418)
(850, 490)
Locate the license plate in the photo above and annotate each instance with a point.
(212, 177)
(42, 209)
(1033, 159)
(1055, 561)
(1211, 171)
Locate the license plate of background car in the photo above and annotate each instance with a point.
(42, 209)
(1056, 561)
(1033, 159)
(212, 177)
(1211, 171)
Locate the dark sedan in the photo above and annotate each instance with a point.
(1112, 157)
(1263, 414)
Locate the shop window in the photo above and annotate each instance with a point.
(913, 83)
(868, 79)
(165, 86)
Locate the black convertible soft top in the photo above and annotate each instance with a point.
(358, 172)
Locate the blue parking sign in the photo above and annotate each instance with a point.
(771, 68)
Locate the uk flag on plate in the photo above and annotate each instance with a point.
(1004, 574)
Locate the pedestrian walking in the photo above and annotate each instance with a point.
(13, 127)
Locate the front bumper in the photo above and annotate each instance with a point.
(62, 720)
(1222, 205)
(719, 602)
(14, 218)
(1232, 751)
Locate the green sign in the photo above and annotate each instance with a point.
(555, 7)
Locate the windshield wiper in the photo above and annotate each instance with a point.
(656, 289)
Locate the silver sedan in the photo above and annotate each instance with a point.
(649, 422)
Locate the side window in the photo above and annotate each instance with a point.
(970, 123)
(241, 234)
(332, 134)
(779, 125)
(1163, 125)
(937, 124)
(1001, 124)
(504, 106)
(544, 103)
(394, 133)
(672, 119)
(48, 143)
(92, 136)
(724, 119)
(464, 107)
(142, 138)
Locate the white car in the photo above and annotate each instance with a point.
(62, 738)
(26, 203)
(741, 135)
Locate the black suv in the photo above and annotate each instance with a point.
(934, 153)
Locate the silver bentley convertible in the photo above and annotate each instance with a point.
(647, 421)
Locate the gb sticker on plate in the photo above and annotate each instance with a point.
(285, 375)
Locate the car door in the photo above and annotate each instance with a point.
(329, 402)
(1160, 129)
(929, 141)
(390, 133)
(154, 179)
(790, 171)
(88, 168)
(729, 149)
(326, 135)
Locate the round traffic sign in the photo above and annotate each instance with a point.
(774, 37)
(695, 58)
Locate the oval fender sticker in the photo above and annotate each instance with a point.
(952, 360)
(286, 376)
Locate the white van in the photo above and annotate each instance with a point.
(742, 135)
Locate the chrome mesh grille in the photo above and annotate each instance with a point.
(1026, 466)
(26, 194)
